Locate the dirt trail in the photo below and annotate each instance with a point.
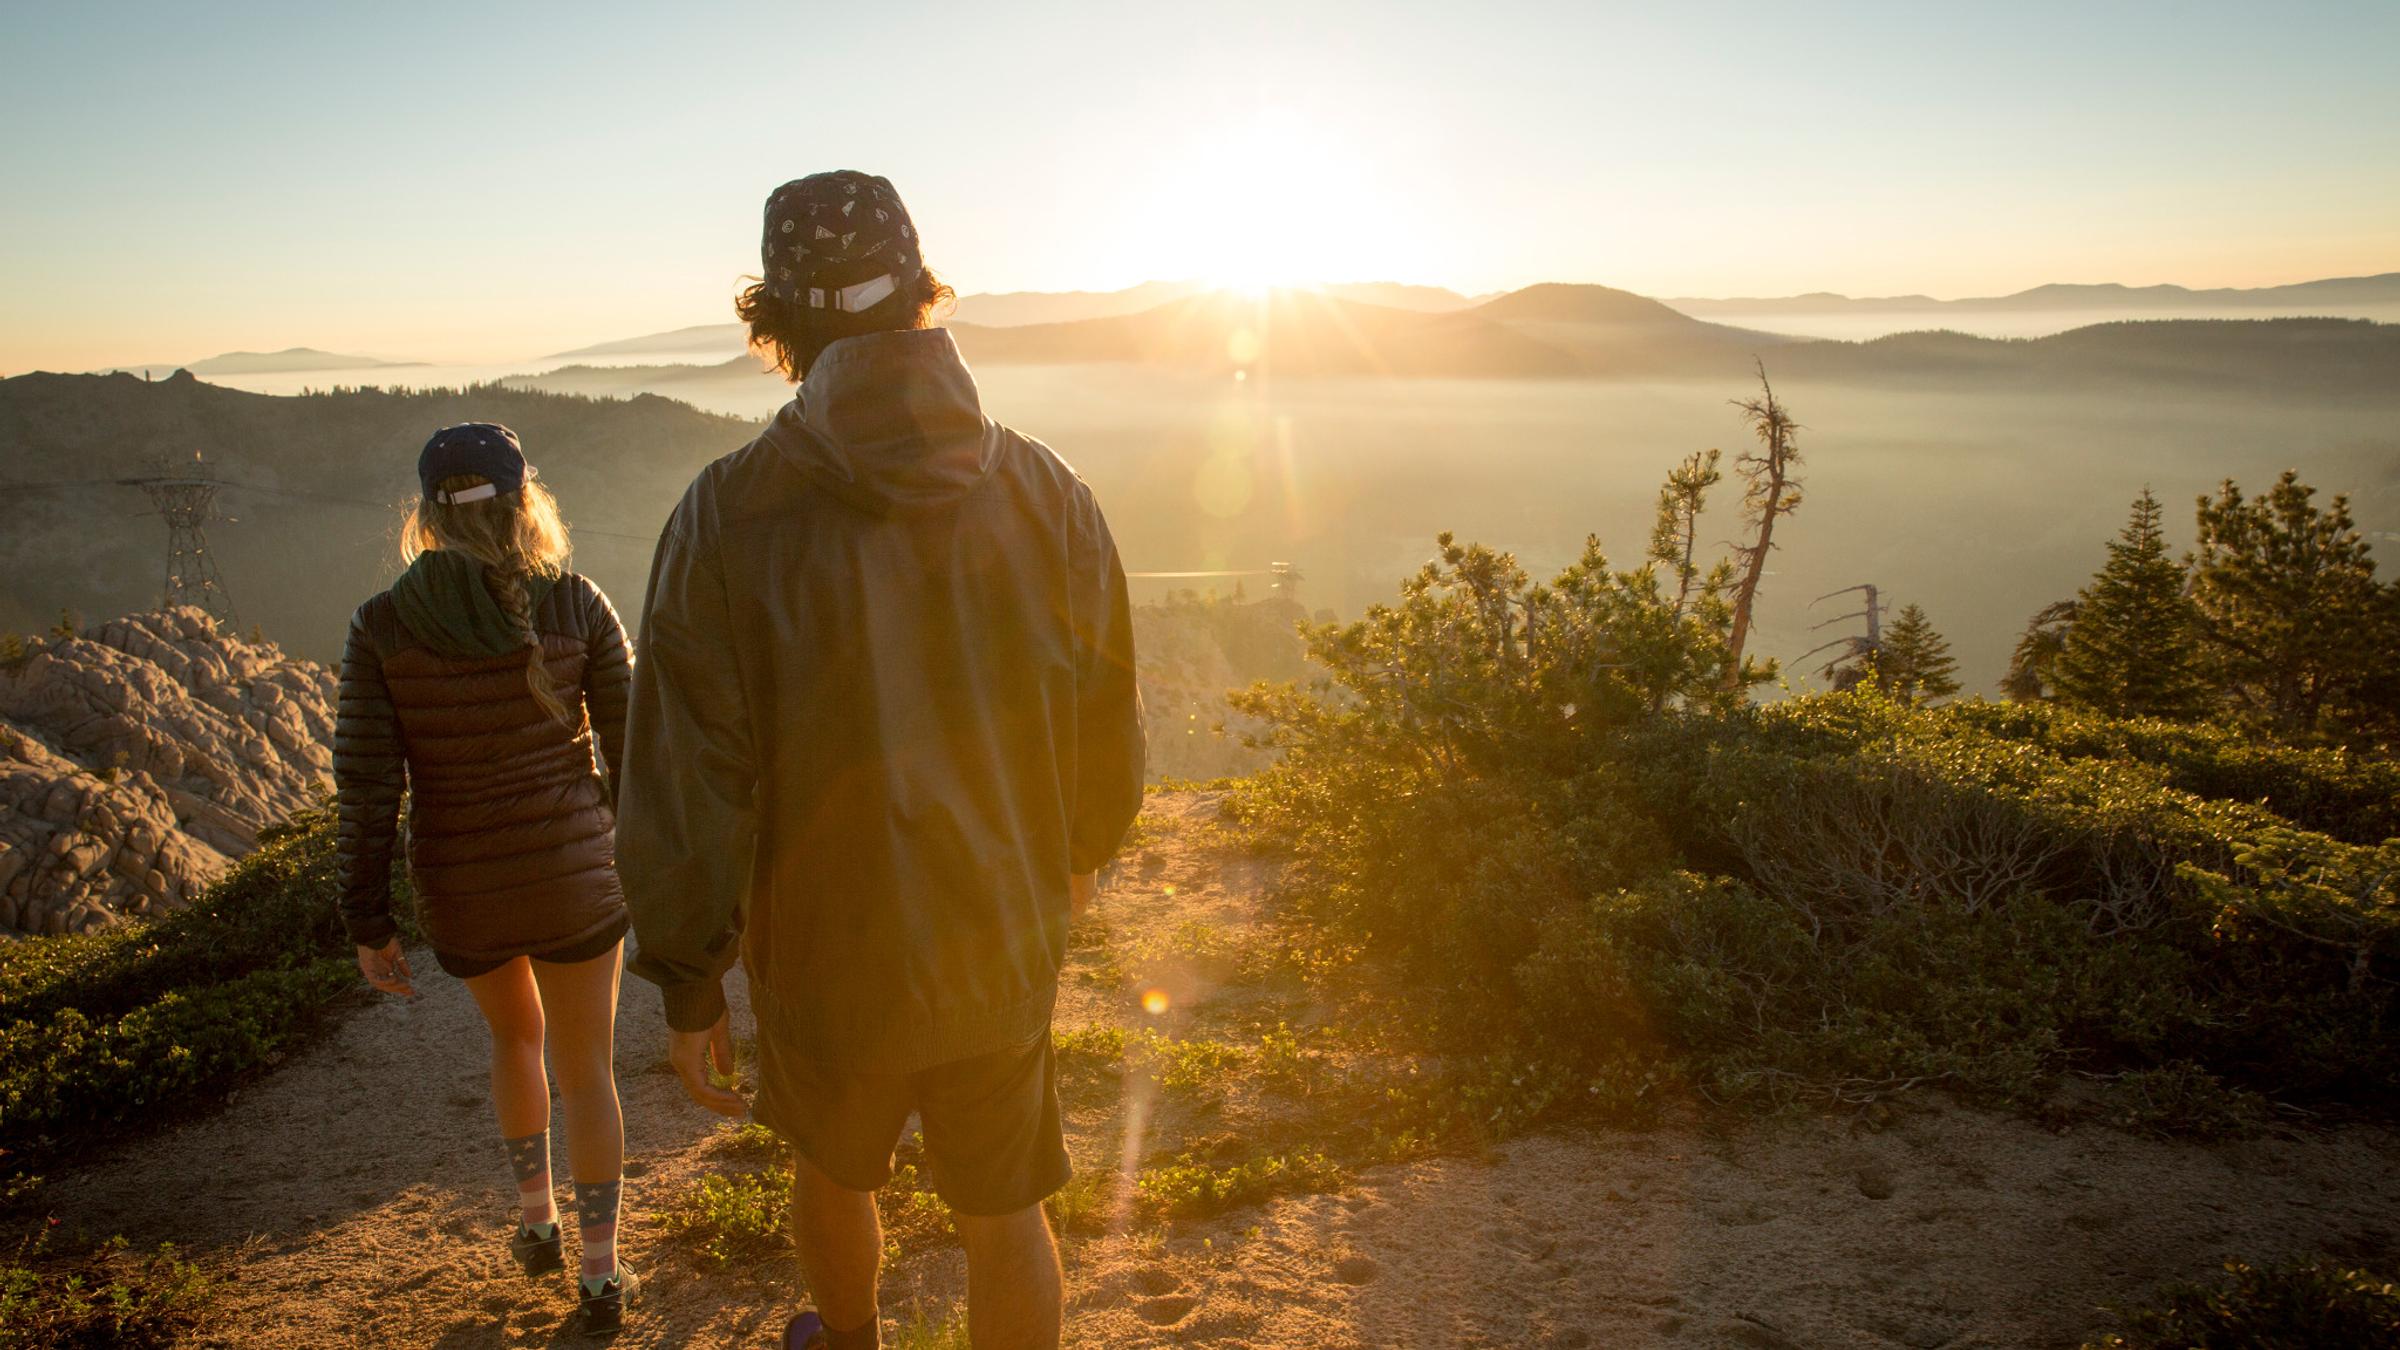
(358, 1196)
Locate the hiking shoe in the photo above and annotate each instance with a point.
(603, 1314)
(804, 1332)
(536, 1255)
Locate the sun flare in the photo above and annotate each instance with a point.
(1265, 202)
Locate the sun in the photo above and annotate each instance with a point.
(1264, 201)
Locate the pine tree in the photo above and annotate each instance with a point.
(1675, 538)
(2033, 667)
(2133, 649)
(2290, 615)
(1913, 661)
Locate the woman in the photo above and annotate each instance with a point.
(477, 685)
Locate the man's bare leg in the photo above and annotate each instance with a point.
(1014, 1285)
(841, 1246)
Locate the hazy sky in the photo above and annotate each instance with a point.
(488, 181)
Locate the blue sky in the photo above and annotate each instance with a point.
(463, 182)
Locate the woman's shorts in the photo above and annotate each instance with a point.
(468, 967)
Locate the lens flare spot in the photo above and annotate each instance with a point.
(1154, 1002)
(1243, 347)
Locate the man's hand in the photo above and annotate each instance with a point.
(694, 1054)
(386, 968)
(1082, 889)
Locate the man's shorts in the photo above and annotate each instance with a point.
(992, 1137)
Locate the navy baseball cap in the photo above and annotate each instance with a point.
(485, 450)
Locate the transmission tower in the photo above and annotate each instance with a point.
(188, 499)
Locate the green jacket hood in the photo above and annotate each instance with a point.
(442, 601)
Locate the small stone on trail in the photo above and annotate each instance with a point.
(1875, 1183)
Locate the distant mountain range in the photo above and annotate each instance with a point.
(1016, 309)
(2300, 298)
(291, 360)
(1574, 331)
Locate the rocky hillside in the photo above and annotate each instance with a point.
(138, 759)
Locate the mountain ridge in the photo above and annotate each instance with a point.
(2382, 288)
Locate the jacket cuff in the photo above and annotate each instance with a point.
(370, 930)
(695, 1006)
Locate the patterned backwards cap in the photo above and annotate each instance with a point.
(837, 220)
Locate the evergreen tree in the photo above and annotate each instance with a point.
(1913, 661)
(2290, 615)
(2133, 649)
(1675, 538)
(2033, 667)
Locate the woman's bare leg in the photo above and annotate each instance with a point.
(512, 1008)
(580, 1002)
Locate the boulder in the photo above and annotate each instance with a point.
(139, 759)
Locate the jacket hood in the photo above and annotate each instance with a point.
(889, 421)
(443, 601)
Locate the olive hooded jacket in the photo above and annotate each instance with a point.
(885, 707)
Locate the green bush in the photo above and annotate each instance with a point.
(2292, 1307)
(2351, 796)
(1550, 810)
(115, 1026)
(1187, 1187)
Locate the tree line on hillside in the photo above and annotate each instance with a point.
(2275, 622)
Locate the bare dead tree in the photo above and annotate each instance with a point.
(1773, 491)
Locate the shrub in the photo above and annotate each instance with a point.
(1548, 807)
(2351, 796)
(105, 1027)
(2316, 1303)
(1188, 1187)
(732, 1216)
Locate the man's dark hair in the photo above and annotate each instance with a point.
(792, 335)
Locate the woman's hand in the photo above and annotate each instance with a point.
(386, 968)
(1082, 889)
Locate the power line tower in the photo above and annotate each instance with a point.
(187, 497)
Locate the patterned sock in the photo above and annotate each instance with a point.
(596, 1218)
(537, 1208)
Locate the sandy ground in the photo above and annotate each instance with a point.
(358, 1196)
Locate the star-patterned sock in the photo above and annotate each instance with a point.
(596, 1219)
(537, 1208)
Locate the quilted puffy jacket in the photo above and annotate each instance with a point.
(511, 826)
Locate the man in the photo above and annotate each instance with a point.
(884, 731)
